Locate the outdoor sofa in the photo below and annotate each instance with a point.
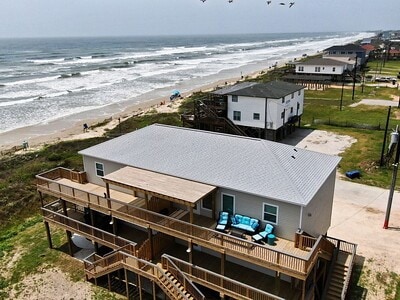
(245, 223)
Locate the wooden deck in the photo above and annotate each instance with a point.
(282, 257)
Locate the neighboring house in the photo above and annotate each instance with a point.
(394, 54)
(349, 50)
(159, 191)
(323, 66)
(269, 109)
(368, 49)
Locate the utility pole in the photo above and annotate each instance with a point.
(384, 138)
(392, 187)
(354, 78)
(341, 95)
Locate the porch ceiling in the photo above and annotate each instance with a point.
(161, 185)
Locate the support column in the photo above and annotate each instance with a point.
(46, 225)
(64, 207)
(146, 197)
(277, 283)
(41, 198)
(191, 214)
(223, 259)
(303, 290)
(154, 290)
(70, 246)
(114, 225)
(190, 252)
(126, 283)
(150, 237)
(109, 282)
(140, 287)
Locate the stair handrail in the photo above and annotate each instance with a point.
(188, 285)
(330, 272)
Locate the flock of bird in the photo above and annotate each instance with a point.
(268, 2)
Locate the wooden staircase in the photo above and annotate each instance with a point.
(174, 287)
(339, 275)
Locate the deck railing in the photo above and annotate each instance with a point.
(108, 239)
(225, 285)
(281, 261)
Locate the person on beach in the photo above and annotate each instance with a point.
(85, 127)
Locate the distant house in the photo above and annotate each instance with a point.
(268, 109)
(324, 66)
(349, 50)
(394, 54)
(368, 49)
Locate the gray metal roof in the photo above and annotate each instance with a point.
(323, 61)
(254, 166)
(272, 89)
(348, 47)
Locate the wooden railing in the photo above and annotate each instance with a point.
(103, 237)
(280, 261)
(96, 267)
(224, 285)
(187, 284)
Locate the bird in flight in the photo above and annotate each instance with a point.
(282, 3)
(230, 1)
(291, 4)
(268, 2)
(203, 1)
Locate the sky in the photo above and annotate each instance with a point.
(70, 18)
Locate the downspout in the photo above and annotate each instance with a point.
(301, 217)
(266, 119)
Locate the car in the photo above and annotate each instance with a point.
(382, 79)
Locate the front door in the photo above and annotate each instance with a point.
(228, 203)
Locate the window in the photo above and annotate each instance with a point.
(207, 202)
(291, 110)
(301, 68)
(333, 69)
(234, 98)
(342, 52)
(270, 213)
(317, 69)
(292, 95)
(99, 169)
(283, 100)
(299, 93)
(282, 114)
(256, 116)
(236, 115)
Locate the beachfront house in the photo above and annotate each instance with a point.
(265, 110)
(158, 197)
(332, 69)
(346, 52)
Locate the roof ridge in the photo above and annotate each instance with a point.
(303, 201)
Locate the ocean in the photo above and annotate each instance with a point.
(45, 80)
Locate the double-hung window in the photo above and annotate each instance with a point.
(234, 98)
(236, 115)
(270, 213)
(99, 169)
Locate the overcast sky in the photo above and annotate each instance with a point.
(60, 18)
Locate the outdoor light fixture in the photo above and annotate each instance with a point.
(188, 250)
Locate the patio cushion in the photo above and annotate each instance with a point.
(245, 220)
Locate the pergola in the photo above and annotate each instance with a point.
(170, 188)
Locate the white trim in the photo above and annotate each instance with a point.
(222, 201)
(277, 213)
(95, 168)
(301, 217)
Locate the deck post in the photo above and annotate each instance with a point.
(150, 237)
(190, 251)
(46, 225)
(140, 288)
(146, 198)
(41, 198)
(114, 225)
(223, 258)
(109, 282)
(126, 283)
(70, 246)
(191, 215)
(107, 190)
(277, 282)
(154, 290)
(303, 290)
(64, 207)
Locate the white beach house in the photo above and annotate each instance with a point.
(269, 108)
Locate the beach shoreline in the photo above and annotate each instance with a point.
(71, 128)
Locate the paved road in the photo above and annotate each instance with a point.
(379, 102)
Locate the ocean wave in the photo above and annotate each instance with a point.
(71, 75)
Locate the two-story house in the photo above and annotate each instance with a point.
(345, 52)
(270, 109)
(152, 198)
